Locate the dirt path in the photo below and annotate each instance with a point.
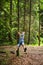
(34, 56)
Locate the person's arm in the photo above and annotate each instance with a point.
(23, 32)
(18, 33)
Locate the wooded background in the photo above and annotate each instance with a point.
(19, 15)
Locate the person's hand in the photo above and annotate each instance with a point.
(24, 32)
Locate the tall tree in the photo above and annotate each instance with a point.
(18, 13)
(17, 52)
(24, 26)
(29, 22)
(10, 24)
(10, 12)
(24, 15)
(39, 22)
(18, 19)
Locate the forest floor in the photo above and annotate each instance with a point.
(33, 56)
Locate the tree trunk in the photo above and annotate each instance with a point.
(10, 13)
(39, 22)
(0, 6)
(18, 14)
(9, 35)
(29, 23)
(17, 52)
(24, 26)
(24, 15)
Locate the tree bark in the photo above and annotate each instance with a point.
(39, 22)
(18, 14)
(9, 34)
(29, 24)
(24, 15)
(10, 13)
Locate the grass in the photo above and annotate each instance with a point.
(37, 42)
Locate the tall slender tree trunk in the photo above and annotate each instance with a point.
(24, 28)
(10, 13)
(18, 20)
(9, 35)
(39, 23)
(0, 6)
(18, 14)
(17, 52)
(29, 23)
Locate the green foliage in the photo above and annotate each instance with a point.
(7, 32)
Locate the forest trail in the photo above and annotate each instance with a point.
(34, 56)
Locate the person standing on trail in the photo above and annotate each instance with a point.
(21, 40)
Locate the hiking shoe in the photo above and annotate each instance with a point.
(25, 49)
(17, 52)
